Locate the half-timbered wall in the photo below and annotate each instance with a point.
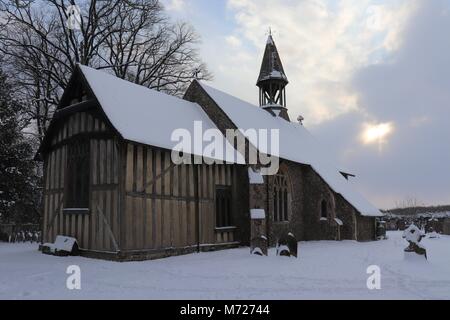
(98, 228)
(165, 208)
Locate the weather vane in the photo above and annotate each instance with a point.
(270, 32)
(196, 73)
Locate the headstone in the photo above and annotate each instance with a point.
(283, 247)
(259, 245)
(434, 235)
(414, 236)
(63, 246)
(292, 245)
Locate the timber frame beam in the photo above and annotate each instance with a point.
(79, 107)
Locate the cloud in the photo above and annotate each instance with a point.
(376, 133)
(174, 5)
(233, 41)
(411, 90)
(322, 43)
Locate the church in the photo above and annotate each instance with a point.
(110, 180)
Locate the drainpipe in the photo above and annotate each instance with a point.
(267, 210)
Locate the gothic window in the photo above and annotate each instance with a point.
(280, 198)
(223, 207)
(324, 209)
(77, 175)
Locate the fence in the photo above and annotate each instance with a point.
(20, 233)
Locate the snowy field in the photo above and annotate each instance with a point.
(325, 270)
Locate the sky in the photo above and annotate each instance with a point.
(370, 77)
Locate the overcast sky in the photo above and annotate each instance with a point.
(371, 77)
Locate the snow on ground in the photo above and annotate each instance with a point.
(325, 270)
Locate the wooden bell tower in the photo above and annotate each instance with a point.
(272, 82)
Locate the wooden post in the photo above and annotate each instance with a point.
(197, 206)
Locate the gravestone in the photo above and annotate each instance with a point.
(414, 236)
(287, 246)
(259, 245)
(434, 235)
(292, 245)
(63, 246)
(283, 249)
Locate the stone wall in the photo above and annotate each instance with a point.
(308, 190)
(196, 94)
(365, 228)
(347, 214)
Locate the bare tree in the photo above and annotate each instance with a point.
(410, 205)
(133, 39)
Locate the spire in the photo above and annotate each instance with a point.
(272, 81)
(271, 67)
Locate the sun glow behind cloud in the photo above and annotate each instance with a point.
(377, 133)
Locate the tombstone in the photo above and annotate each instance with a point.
(63, 246)
(414, 235)
(259, 245)
(287, 246)
(433, 235)
(292, 243)
(283, 249)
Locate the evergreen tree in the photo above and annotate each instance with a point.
(19, 195)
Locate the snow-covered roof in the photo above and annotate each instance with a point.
(296, 144)
(150, 117)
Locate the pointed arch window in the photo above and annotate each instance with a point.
(281, 197)
(324, 209)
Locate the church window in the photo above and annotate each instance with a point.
(281, 199)
(224, 216)
(324, 209)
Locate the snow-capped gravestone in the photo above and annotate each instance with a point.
(434, 235)
(292, 244)
(287, 246)
(259, 246)
(259, 240)
(414, 236)
(63, 246)
(283, 248)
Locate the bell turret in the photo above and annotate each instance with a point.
(272, 82)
